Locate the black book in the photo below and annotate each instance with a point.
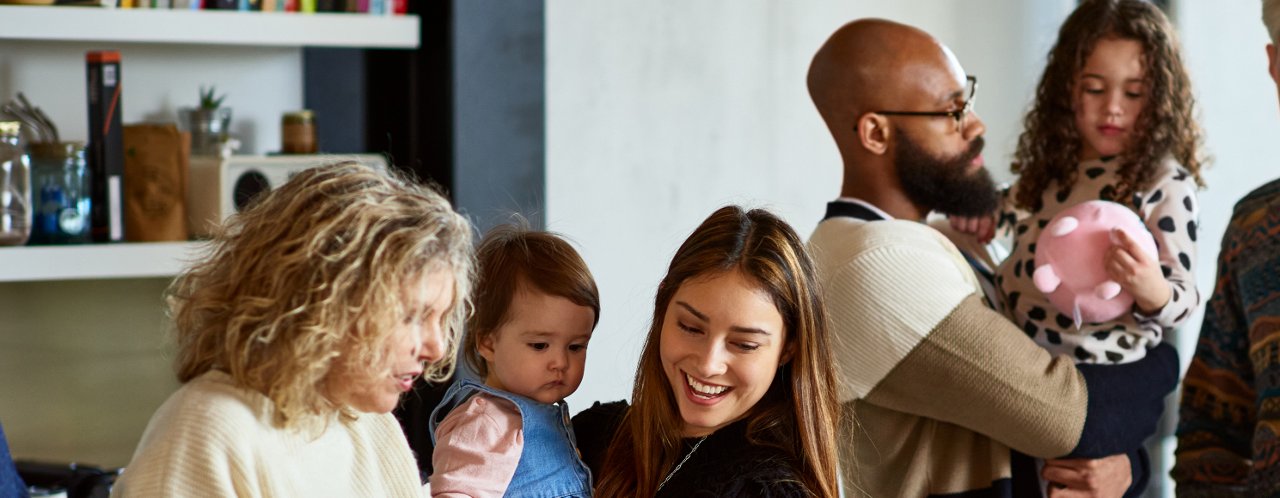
(106, 147)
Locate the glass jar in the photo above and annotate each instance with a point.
(210, 129)
(60, 192)
(298, 133)
(15, 186)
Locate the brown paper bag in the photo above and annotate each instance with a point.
(155, 182)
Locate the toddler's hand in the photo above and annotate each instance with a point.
(1137, 272)
(982, 228)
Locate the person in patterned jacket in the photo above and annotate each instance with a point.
(1229, 420)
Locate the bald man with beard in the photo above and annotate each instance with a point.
(943, 395)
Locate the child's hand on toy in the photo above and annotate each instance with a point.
(1137, 272)
(982, 228)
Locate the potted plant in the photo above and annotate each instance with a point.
(209, 123)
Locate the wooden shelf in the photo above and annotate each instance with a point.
(96, 261)
(207, 27)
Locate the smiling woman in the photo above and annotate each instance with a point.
(722, 342)
(734, 394)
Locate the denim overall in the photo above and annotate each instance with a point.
(549, 465)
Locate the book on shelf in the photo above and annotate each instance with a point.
(106, 146)
(374, 7)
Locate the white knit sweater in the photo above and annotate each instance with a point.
(213, 438)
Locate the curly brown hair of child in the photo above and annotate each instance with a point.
(1050, 145)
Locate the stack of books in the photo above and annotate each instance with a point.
(375, 7)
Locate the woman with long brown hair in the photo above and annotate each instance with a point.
(734, 394)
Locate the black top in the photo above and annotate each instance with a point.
(846, 209)
(725, 464)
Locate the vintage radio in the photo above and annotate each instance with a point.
(219, 187)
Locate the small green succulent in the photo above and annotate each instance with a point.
(208, 99)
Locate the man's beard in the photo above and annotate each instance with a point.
(942, 184)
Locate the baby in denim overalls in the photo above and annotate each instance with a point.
(508, 433)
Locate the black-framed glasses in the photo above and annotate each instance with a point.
(959, 115)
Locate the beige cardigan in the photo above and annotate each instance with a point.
(212, 438)
(936, 387)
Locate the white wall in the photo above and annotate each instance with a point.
(1224, 49)
(660, 112)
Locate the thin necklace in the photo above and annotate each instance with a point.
(681, 464)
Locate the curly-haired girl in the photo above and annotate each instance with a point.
(313, 312)
(1112, 120)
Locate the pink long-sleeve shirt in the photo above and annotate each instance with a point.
(478, 447)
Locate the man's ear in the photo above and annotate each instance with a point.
(1271, 63)
(874, 133)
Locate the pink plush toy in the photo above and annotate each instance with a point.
(1069, 260)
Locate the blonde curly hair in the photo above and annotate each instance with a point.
(313, 279)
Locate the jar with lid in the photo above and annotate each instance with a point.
(15, 186)
(298, 133)
(60, 193)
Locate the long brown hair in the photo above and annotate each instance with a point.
(1050, 146)
(798, 414)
